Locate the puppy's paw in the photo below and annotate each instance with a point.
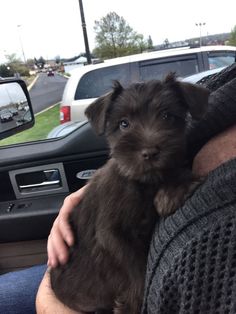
(169, 198)
(165, 202)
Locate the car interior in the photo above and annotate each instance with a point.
(34, 180)
(37, 175)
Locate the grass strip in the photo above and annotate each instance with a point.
(44, 123)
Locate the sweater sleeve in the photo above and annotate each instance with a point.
(192, 258)
(202, 277)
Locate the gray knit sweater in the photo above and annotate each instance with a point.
(192, 259)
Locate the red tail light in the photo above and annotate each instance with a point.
(65, 114)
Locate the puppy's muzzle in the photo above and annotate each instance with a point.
(151, 153)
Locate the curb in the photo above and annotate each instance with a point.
(44, 110)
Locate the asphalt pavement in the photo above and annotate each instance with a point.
(47, 91)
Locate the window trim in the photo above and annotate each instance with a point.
(190, 56)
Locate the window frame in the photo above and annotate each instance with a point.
(132, 76)
(190, 56)
(215, 52)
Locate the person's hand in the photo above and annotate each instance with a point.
(46, 301)
(61, 236)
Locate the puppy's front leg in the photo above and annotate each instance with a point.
(170, 197)
(126, 306)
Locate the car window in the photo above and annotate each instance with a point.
(98, 82)
(47, 53)
(220, 59)
(157, 69)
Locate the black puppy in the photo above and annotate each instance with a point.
(145, 126)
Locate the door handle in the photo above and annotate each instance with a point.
(50, 179)
(39, 180)
(38, 185)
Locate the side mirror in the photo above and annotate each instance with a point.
(16, 112)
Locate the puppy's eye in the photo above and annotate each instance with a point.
(124, 124)
(172, 118)
(166, 115)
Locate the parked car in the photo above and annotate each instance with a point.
(89, 82)
(14, 111)
(64, 129)
(68, 127)
(6, 116)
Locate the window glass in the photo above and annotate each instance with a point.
(98, 82)
(221, 59)
(45, 55)
(159, 70)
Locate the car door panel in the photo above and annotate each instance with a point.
(18, 255)
(29, 219)
(39, 180)
(28, 216)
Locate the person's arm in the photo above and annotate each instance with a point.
(58, 241)
(218, 150)
(46, 301)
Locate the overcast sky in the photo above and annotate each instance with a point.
(53, 27)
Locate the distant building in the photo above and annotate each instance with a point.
(70, 65)
(51, 64)
(217, 39)
(209, 40)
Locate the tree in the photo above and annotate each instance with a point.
(15, 65)
(115, 37)
(31, 63)
(12, 58)
(232, 37)
(5, 71)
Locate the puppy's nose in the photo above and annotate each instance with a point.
(150, 153)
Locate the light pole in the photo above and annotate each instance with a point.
(22, 49)
(85, 32)
(200, 34)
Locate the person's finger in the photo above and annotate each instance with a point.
(57, 248)
(52, 258)
(69, 204)
(61, 235)
(63, 221)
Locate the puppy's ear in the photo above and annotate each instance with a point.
(97, 111)
(196, 98)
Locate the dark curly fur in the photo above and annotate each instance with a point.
(145, 126)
